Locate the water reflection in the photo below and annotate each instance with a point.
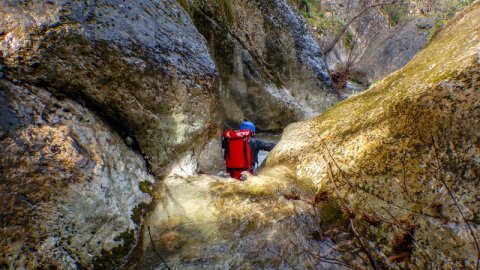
(267, 137)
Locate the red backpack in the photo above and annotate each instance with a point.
(238, 155)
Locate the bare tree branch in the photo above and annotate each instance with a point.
(156, 252)
(450, 192)
(360, 14)
(365, 248)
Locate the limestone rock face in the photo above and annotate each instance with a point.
(142, 65)
(390, 48)
(380, 40)
(88, 92)
(69, 184)
(271, 69)
(402, 158)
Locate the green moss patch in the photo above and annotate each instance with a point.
(223, 10)
(138, 212)
(332, 215)
(146, 187)
(395, 13)
(111, 259)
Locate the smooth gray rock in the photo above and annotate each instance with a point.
(142, 65)
(379, 48)
(77, 78)
(272, 70)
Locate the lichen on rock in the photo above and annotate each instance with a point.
(89, 92)
(403, 155)
(69, 182)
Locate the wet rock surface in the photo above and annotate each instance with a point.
(206, 222)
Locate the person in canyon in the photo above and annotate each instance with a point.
(255, 144)
(238, 158)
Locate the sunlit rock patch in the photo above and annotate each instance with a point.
(205, 222)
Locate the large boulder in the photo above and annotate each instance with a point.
(402, 158)
(142, 65)
(389, 49)
(88, 92)
(272, 70)
(70, 187)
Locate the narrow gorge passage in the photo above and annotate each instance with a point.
(111, 119)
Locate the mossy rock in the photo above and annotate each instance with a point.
(112, 259)
(146, 187)
(332, 215)
(406, 149)
(138, 212)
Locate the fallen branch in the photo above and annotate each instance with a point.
(450, 192)
(156, 252)
(324, 259)
(365, 249)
